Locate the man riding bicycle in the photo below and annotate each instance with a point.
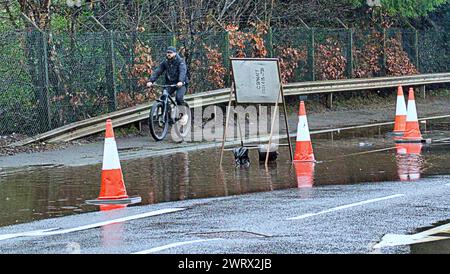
(176, 73)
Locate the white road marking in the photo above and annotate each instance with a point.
(23, 234)
(159, 248)
(85, 227)
(346, 206)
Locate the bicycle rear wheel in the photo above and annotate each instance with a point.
(158, 122)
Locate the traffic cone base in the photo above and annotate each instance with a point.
(402, 140)
(129, 200)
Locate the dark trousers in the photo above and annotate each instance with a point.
(179, 97)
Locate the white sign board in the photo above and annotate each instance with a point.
(256, 81)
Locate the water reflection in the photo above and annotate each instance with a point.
(409, 161)
(112, 234)
(304, 172)
(39, 193)
(166, 179)
(267, 174)
(182, 179)
(221, 180)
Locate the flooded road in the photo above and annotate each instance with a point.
(348, 157)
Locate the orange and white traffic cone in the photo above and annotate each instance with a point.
(304, 172)
(303, 148)
(412, 130)
(112, 190)
(400, 113)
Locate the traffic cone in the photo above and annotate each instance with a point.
(400, 113)
(303, 148)
(304, 172)
(412, 130)
(112, 190)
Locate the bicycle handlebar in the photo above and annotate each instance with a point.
(165, 86)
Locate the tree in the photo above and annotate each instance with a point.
(9, 15)
(405, 8)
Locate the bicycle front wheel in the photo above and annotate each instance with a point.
(183, 124)
(158, 122)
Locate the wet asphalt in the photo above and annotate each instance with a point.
(255, 223)
(339, 218)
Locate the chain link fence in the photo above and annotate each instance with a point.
(50, 80)
(22, 107)
(287, 43)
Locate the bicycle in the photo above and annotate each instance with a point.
(164, 112)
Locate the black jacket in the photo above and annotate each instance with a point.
(176, 71)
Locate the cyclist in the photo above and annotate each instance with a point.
(175, 73)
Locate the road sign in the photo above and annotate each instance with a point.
(256, 80)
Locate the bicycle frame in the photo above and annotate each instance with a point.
(166, 99)
(167, 107)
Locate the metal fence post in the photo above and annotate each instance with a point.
(311, 53)
(383, 61)
(226, 57)
(46, 87)
(174, 40)
(110, 70)
(270, 41)
(350, 54)
(416, 49)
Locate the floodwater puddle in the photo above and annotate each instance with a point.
(347, 157)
